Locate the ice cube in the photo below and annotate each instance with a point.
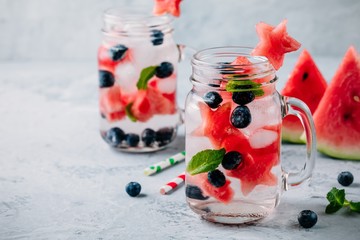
(127, 76)
(262, 138)
(167, 85)
(143, 54)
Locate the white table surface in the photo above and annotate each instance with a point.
(59, 180)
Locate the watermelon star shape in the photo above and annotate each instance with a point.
(274, 43)
(167, 6)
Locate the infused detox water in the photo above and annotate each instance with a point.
(137, 81)
(233, 120)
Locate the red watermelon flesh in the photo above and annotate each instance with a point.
(111, 104)
(274, 43)
(217, 127)
(337, 116)
(223, 194)
(141, 108)
(307, 84)
(167, 6)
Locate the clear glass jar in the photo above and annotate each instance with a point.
(233, 118)
(138, 62)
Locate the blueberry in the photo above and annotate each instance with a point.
(307, 218)
(132, 139)
(106, 79)
(148, 136)
(243, 98)
(231, 160)
(216, 178)
(164, 135)
(345, 178)
(157, 37)
(240, 117)
(164, 70)
(212, 99)
(133, 189)
(115, 136)
(194, 192)
(118, 52)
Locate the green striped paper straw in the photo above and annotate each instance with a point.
(158, 167)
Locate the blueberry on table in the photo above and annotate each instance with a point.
(157, 37)
(133, 189)
(212, 99)
(194, 192)
(231, 160)
(117, 52)
(164, 70)
(243, 98)
(216, 178)
(345, 178)
(307, 218)
(241, 117)
(148, 136)
(164, 135)
(132, 139)
(106, 79)
(115, 136)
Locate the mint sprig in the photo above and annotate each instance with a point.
(205, 161)
(244, 86)
(337, 200)
(145, 75)
(129, 113)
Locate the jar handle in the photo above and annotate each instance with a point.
(185, 52)
(296, 107)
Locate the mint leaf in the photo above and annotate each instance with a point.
(355, 206)
(205, 161)
(129, 113)
(336, 198)
(244, 86)
(145, 75)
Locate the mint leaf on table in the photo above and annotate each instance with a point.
(244, 86)
(205, 161)
(129, 114)
(145, 75)
(355, 206)
(337, 201)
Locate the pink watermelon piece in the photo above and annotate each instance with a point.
(218, 128)
(307, 84)
(274, 43)
(167, 6)
(223, 194)
(241, 60)
(111, 104)
(141, 108)
(337, 116)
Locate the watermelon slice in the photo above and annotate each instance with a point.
(274, 43)
(141, 108)
(111, 104)
(307, 84)
(223, 194)
(218, 128)
(337, 116)
(167, 6)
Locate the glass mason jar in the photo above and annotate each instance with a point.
(233, 118)
(138, 61)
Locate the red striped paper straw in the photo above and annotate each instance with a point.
(170, 186)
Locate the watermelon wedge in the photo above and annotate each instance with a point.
(167, 6)
(111, 104)
(307, 84)
(274, 43)
(337, 116)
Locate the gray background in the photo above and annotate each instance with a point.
(70, 30)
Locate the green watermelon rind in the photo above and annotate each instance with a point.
(292, 136)
(338, 153)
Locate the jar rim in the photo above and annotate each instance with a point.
(139, 20)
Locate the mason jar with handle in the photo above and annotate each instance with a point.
(233, 118)
(138, 62)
